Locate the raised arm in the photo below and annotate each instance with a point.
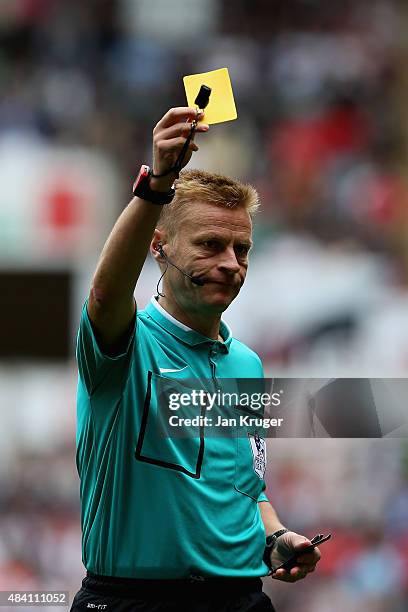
(111, 306)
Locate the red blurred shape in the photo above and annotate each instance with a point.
(314, 140)
(32, 10)
(63, 206)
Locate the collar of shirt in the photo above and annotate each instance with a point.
(183, 332)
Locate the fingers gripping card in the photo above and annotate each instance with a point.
(221, 106)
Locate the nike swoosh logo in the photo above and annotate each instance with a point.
(164, 370)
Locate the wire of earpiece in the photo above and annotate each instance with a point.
(158, 292)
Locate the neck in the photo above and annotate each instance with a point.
(204, 324)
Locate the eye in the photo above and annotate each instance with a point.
(241, 250)
(211, 244)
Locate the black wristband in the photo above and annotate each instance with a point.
(141, 189)
(270, 544)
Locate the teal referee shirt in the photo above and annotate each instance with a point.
(154, 507)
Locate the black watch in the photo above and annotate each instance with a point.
(270, 544)
(141, 188)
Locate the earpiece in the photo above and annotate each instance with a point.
(194, 280)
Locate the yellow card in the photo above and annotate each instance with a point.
(221, 106)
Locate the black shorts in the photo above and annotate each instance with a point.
(106, 594)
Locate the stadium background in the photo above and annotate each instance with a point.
(322, 96)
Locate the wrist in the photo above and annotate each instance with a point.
(273, 537)
(160, 193)
(163, 184)
(275, 528)
(270, 544)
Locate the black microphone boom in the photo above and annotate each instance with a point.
(197, 281)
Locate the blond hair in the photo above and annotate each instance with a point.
(217, 189)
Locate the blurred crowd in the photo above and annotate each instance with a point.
(321, 92)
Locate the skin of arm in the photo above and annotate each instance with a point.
(111, 305)
(269, 518)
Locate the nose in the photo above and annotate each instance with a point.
(228, 262)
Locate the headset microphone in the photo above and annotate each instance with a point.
(196, 281)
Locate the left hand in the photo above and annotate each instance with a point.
(287, 545)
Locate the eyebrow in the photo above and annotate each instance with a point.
(214, 236)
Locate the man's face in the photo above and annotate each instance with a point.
(212, 243)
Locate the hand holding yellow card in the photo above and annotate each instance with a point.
(221, 106)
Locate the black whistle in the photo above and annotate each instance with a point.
(203, 97)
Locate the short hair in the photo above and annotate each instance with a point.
(217, 189)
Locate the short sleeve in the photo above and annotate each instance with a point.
(263, 497)
(96, 368)
(261, 369)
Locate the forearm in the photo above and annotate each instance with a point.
(124, 253)
(111, 304)
(269, 517)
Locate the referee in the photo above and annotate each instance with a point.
(171, 524)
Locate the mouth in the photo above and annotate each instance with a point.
(224, 284)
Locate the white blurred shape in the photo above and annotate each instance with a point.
(294, 284)
(174, 21)
(37, 407)
(58, 204)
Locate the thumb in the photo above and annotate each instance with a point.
(302, 543)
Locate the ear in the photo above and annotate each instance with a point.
(158, 239)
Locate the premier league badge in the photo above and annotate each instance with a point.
(258, 447)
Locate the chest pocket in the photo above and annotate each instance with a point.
(182, 454)
(250, 463)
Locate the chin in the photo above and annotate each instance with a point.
(220, 301)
